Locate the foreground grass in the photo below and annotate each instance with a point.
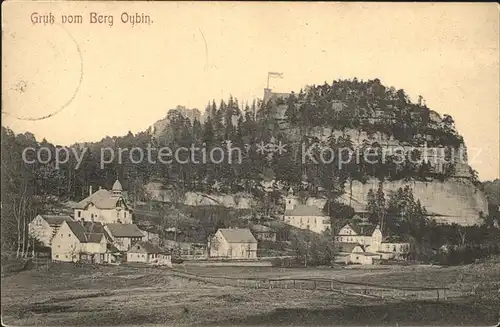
(101, 295)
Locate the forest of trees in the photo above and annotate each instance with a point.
(26, 188)
(402, 218)
(373, 107)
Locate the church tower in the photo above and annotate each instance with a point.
(117, 189)
(290, 200)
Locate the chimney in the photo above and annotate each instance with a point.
(90, 190)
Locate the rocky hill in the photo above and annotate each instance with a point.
(359, 114)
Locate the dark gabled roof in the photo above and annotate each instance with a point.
(237, 235)
(94, 237)
(347, 247)
(87, 232)
(147, 247)
(111, 248)
(305, 210)
(78, 230)
(93, 227)
(53, 220)
(102, 199)
(362, 229)
(124, 230)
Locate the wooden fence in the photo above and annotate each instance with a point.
(322, 284)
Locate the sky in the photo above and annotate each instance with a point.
(102, 80)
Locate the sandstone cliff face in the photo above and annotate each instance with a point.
(456, 200)
(453, 201)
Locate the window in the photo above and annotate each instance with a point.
(57, 256)
(69, 235)
(79, 213)
(62, 235)
(125, 214)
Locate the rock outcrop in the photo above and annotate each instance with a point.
(452, 201)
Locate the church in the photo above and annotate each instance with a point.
(305, 216)
(106, 207)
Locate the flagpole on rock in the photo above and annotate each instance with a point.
(267, 80)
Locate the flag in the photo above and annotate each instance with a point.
(274, 74)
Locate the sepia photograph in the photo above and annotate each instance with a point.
(181, 163)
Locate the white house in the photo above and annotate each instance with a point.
(75, 241)
(367, 235)
(149, 253)
(354, 253)
(104, 206)
(302, 216)
(44, 227)
(362, 243)
(123, 236)
(233, 243)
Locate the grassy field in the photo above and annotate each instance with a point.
(64, 294)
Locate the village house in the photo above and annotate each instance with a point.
(363, 233)
(263, 233)
(362, 243)
(309, 217)
(354, 253)
(123, 236)
(233, 243)
(82, 241)
(147, 252)
(44, 227)
(104, 206)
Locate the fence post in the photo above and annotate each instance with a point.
(437, 290)
(331, 285)
(294, 284)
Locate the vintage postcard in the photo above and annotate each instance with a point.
(248, 164)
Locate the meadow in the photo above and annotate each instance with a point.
(68, 294)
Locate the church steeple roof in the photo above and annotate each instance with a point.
(117, 186)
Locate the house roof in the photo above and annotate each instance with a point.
(124, 230)
(347, 247)
(117, 186)
(102, 199)
(87, 232)
(94, 237)
(362, 229)
(56, 220)
(146, 247)
(111, 248)
(261, 229)
(305, 210)
(237, 235)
